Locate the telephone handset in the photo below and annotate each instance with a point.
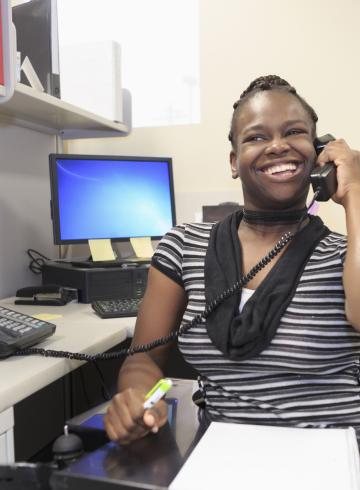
(323, 179)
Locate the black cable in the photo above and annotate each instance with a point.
(284, 240)
(83, 385)
(37, 260)
(173, 335)
(105, 393)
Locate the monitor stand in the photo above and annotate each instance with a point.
(134, 259)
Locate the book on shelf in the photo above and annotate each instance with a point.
(7, 52)
(37, 39)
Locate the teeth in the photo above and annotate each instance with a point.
(280, 168)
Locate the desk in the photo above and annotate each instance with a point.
(78, 330)
(151, 462)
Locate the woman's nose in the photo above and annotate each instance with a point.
(277, 146)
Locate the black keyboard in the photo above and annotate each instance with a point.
(116, 308)
(18, 331)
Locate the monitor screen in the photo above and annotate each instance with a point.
(114, 197)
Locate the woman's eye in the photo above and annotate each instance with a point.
(295, 131)
(254, 137)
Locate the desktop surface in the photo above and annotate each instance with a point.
(151, 462)
(78, 329)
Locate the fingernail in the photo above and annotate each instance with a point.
(154, 430)
(150, 419)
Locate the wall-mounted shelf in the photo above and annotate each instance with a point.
(43, 112)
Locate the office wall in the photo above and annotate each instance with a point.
(314, 44)
(24, 204)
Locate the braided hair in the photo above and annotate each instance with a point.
(268, 82)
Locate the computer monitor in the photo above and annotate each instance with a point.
(115, 197)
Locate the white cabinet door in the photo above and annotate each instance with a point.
(7, 436)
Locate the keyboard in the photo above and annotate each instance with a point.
(18, 331)
(116, 308)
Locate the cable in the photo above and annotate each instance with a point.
(284, 240)
(173, 335)
(105, 392)
(37, 260)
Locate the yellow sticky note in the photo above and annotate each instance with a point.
(47, 316)
(101, 250)
(142, 246)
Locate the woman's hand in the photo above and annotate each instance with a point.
(126, 420)
(347, 163)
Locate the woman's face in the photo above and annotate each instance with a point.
(275, 153)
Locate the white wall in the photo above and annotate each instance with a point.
(314, 44)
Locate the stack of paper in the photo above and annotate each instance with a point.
(252, 457)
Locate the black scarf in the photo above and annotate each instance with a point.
(243, 336)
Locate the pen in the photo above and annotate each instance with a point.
(157, 392)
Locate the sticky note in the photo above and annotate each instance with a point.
(142, 246)
(47, 316)
(101, 250)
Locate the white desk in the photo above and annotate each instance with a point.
(78, 330)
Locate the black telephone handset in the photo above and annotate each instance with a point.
(323, 178)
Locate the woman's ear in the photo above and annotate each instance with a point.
(233, 164)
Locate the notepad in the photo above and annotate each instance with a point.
(101, 249)
(142, 247)
(47, 316)
(273, 458)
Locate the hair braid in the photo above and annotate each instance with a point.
(267, 82)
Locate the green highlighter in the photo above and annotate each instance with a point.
(157, 392)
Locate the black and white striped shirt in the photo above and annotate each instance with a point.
(308, 376)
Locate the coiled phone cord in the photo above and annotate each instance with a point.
(209, 308)
(173, 335)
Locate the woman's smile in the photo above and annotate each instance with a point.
(281, 171)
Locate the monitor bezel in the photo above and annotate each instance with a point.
(54, 197)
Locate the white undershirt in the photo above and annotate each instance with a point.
(245, 295)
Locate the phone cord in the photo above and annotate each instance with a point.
(209, 308)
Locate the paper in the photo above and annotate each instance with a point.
(272, 458)
(142, 246)
(101, 250)
(31, 75)
(47, 316)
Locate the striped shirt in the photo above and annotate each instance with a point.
(308, 376)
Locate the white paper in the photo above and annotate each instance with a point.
(252, 457)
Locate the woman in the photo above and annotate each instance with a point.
(292, 356)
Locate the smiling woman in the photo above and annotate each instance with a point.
(284, 350)
(272, 133)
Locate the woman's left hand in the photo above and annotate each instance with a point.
(347, 163)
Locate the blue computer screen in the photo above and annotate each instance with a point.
(110, 197)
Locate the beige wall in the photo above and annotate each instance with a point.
(313, 43)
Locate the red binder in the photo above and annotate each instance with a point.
(2, 79)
